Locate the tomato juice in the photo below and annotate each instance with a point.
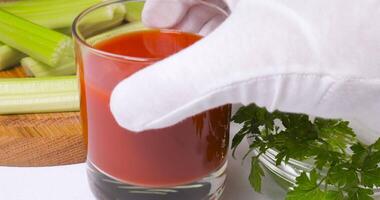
(171, 156)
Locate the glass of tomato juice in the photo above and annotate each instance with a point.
(186, 161)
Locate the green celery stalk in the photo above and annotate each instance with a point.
(101, 19)
(48, 13)
(52, 52)
(133, 11)
(39, 103)
(27, 72)
(38, 69)
(43, 44)
(9, 57)
(133, 26)
(37, 95)
(67, 31)
(14, 86)
(57, 14)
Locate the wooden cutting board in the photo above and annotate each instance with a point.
(40, 139)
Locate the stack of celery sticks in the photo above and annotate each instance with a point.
(36, 34)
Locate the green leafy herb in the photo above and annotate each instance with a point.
(344, 168)
(308, 188)
(256, 174)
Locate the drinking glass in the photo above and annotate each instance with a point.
(186, 161)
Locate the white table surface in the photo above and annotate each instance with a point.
(70, 183)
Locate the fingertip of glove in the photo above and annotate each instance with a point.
(122, 112)
(160, 14)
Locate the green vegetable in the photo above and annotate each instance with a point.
(53, 14)
(9, 57)
(309, 188)
(45, 45)
(13, 86)
(256, 174)
(343, 169)
(48, 13)
(36, 95)
(51, 52)
(38, 69)
(67, 31)
(101, 19)
(133, 26)
(133, 11)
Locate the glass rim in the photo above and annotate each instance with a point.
(76, 33)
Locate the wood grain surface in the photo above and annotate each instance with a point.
(40, 139)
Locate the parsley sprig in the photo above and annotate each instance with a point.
(344, 168)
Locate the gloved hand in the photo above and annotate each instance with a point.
(320, 57)
(186, 15)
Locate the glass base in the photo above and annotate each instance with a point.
(107, 188)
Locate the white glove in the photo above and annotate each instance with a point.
(186, 15)
(320, 57)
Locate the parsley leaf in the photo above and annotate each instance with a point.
(360, 194)
(334, 195)
(338, 134)
(371, 177)
(343, 176)
(376, 145)
(256, 174)
(307, 188)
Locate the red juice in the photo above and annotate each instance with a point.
(176, 155)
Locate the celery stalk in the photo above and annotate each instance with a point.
(133, 11)
(36, 95)
(133, 26)
(101, 19)
(67, 31)
(39, 103)
(45, 45)
(38, 69)
(9, 57)
(48, 13)
(14, 86)
(27, 72)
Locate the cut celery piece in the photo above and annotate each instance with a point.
(38, 69)
(37, 95)
(40, 103)
(27, 72)
(101, 19)
(133, 26)
(9, 57)
(67, 31)
(45, 45)
(48, 13)
(16, 86)
(133, 11)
